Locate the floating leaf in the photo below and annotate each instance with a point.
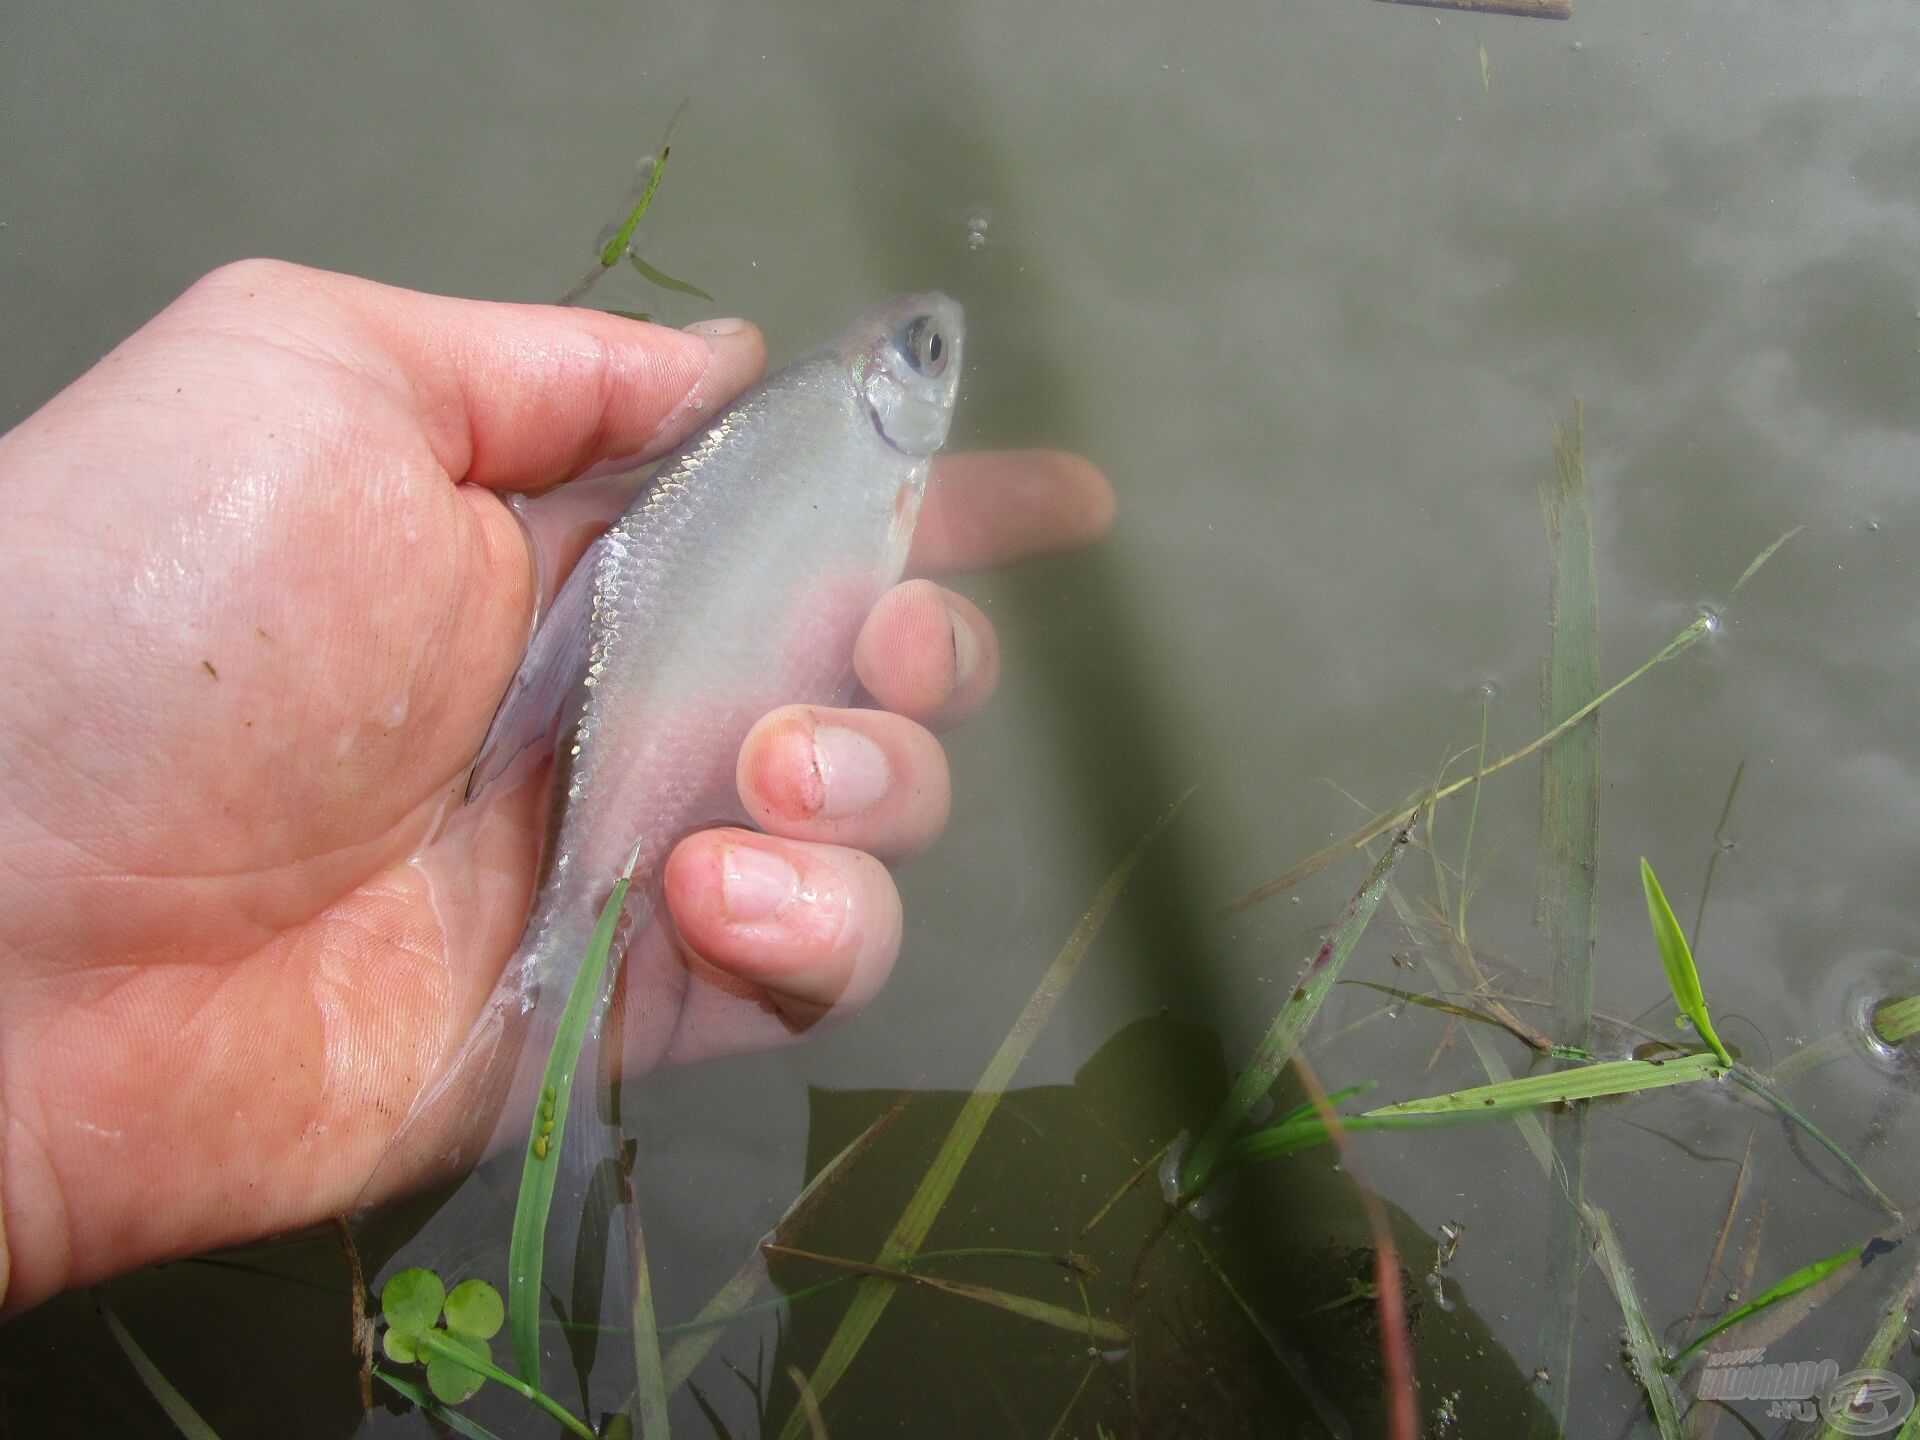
(411, 1300)
(450, 1381)
(399, 1346)
(475, 1308)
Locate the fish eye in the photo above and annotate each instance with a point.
(923, 346)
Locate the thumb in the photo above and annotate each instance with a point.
(511, 396)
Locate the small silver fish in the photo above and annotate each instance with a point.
(735, 583)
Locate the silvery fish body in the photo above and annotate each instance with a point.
(736, 582)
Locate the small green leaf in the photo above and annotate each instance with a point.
(450, 1381)
(665, 281)
(400, 1347)
(475, 1308)
(1677, 958)
(412, 1299)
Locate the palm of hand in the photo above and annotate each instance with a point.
(253, 632)
(211, 819)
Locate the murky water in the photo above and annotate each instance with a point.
(1311, 286)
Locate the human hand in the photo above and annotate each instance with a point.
(254, 627)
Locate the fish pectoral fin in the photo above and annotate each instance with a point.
(550, 671)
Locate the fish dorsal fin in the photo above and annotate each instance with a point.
(556, 659)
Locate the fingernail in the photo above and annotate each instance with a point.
(716, 329)
(853, 771)
(966, 649)
(755, 883)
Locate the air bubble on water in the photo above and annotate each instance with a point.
(1711, 618)
(979, 219)
(1873, 524)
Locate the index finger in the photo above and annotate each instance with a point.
(994, 507)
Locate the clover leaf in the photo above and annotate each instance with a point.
(413, 1302)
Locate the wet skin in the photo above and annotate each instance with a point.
(254, 626)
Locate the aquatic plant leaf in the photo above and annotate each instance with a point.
(185, 1418)
(1676, 957)
(474, 1308)
(1756, 1084)
(527, 1250)
(448, 1378)
(1643, 1345)
(650, 1390)
(411, 1300)
(399, 1347)
(874, 1295)
(419, 1395)
(1579, 1082)
(1793, 1284)
(1897, 1020)
(665, 281)
(1086, 1326)
(651, 169)
(1296, 1014)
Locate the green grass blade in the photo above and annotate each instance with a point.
(420, 1396)
(1308, 1131)
(438, 1343)
(665, 281)
(1451, 970)
(1579, 1082)
(1753, 1082)
(1374, 829)
(650, 1387)
(184, 1417)
(617, 246)
(1296, 1014)
(1301, 1130)
(611, 252)
(1676, 958)
(1643, 1344)
(526, 1255)
(1799, 1280)
(1897, 1020)
(1078, 1323)
(874, 1295)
